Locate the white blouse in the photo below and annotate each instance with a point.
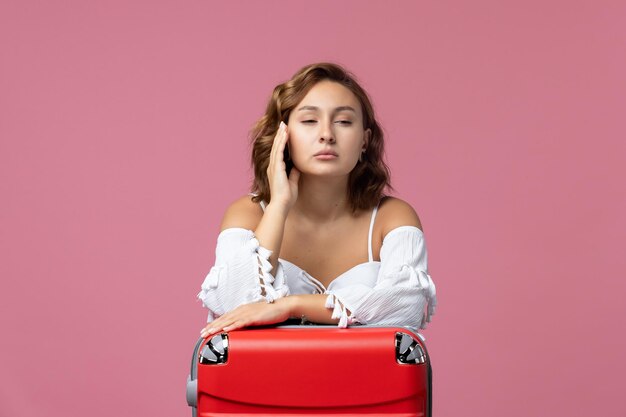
(395, 291)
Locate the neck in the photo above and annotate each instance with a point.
(322, 200)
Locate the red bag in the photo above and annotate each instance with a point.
(311, 370)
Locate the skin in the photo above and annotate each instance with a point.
(312, 201)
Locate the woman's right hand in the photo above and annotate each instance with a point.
(283, 190)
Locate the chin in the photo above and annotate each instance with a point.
(326, 173)
(323, 170)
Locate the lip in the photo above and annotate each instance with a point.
(325, 156)
(326, 153)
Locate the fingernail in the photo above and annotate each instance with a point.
(282, 125)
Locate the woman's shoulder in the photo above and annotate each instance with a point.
(243, 213)
(394, 212)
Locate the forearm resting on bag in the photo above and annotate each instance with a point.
(311, 306)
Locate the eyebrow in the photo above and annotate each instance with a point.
(338, 109)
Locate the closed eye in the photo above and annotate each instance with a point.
(342, 122)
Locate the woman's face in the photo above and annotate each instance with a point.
(329, 118)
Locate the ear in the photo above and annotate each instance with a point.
(367, 135)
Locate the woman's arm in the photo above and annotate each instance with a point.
(404, 293)
(284, 192)
(311, 306)
(271, 229)
(241, 274)
(246, 268)
(268, 227)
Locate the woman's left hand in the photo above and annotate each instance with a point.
(253, 314)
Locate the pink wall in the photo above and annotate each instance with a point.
(123, 137)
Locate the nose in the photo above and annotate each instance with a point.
(326, 132)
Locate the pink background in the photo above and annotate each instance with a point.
(123, 138)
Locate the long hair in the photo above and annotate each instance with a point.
(366, 182)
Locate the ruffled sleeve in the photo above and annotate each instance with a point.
(241, 274)
(404, 293)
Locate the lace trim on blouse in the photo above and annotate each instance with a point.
(266, 287)
(403, 290)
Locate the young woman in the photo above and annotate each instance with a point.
(317, 238)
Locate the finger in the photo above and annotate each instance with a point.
(283, 142)
(234, 326)
(214, 330)
(221, 325)
(278, 146)
(279, 156)
(219, 321)
(206, 332)
(216, 325)
(276, 166)
(210, 330)
(277, 139)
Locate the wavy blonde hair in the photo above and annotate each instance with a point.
(366, 182)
